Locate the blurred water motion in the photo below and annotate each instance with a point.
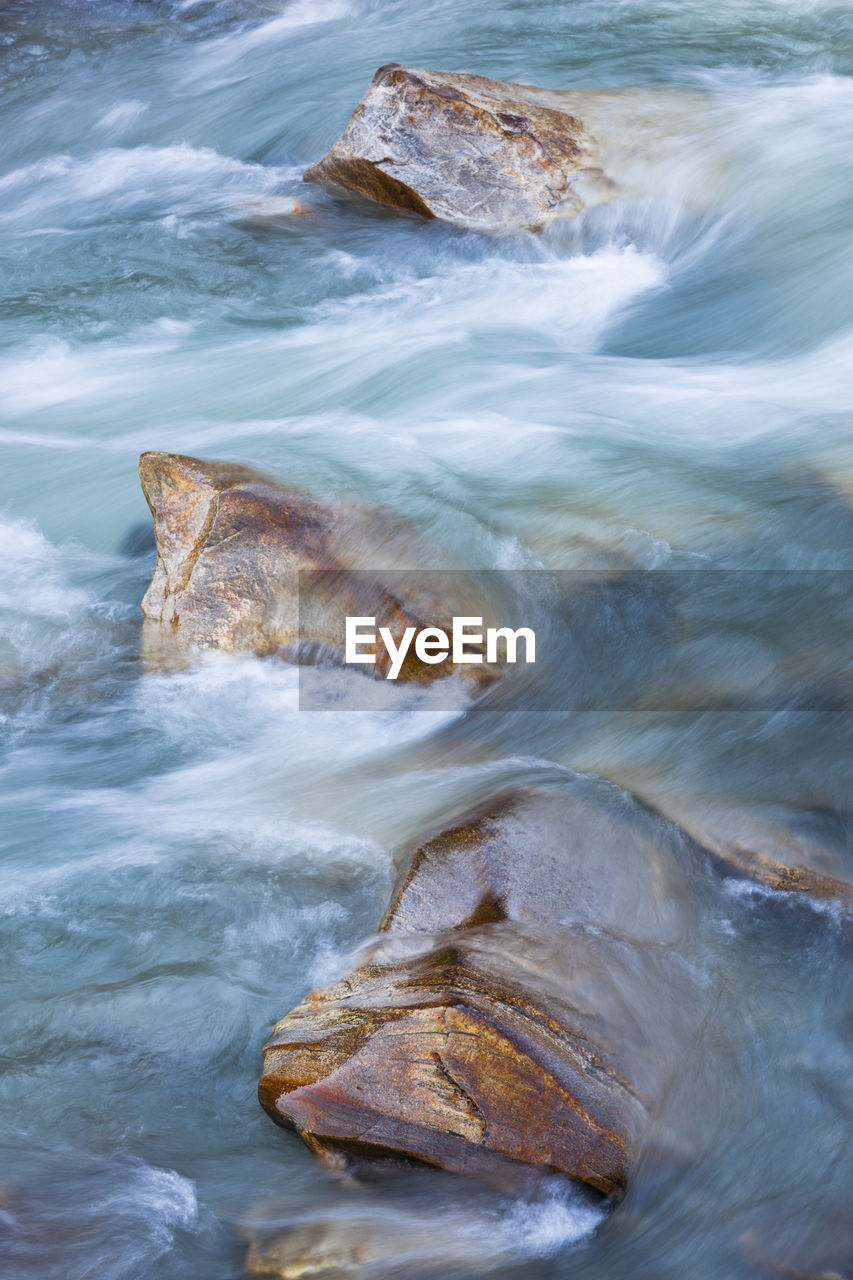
(662, 385)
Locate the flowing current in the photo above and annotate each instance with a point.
(666, 382)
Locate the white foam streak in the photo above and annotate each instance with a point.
(224, 51)
(33, 577)
(145, 181)
(569, 299)
(114, 1217)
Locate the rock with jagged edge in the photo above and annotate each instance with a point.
(231, 545)
(489, 155)
(496, 1026)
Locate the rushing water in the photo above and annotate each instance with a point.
(184, 855)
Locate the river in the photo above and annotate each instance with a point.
(185, 854)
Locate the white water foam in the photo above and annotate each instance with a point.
(122, 1211)
(121, 116)
(569, 299)
(29, 561)
(381, 1241)
(294, 14)
(38, 604)
(62, 192)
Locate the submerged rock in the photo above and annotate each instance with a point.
(499, 1021)
(777, 846)
(772, 853)
(231, 544)
(490, 155)
(269, 210)
(367, 1241)
(810, 1244)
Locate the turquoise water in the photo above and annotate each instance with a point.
(667, 382)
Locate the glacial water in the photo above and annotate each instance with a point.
(666, 383)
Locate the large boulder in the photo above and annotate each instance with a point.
(510, 1015)
(489, 155)
(232, 544)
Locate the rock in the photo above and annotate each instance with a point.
(231, 544)
(498, 1023)
(367, 1241)
(801, 1246)
(270, 210)
(772, 853)
(317, 1250)
(489, 155)
(772, 845)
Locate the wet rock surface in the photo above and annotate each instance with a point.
(497, 1023)
(366, 1243)
(474, 151)
(385, 1226)
(773, 850)
(489, 155)
(231, 544)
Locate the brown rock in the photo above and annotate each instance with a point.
(773, 854)
(765, 844)
(498, 1022)
(231, 543)
(490, 155)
